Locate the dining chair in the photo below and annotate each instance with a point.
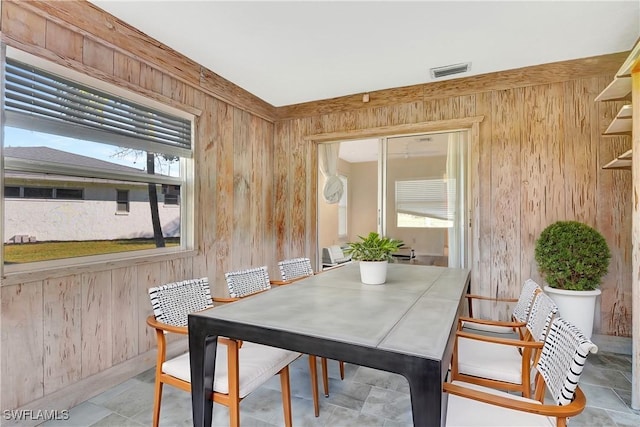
(245, 283)
(291, 271)
(519, 315)
(241, 367)
(503, 363)
(558, 372)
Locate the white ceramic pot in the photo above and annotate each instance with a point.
(373, 272)
(578, 307)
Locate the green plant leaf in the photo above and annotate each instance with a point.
(373, 248)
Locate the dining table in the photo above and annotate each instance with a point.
(405, 326)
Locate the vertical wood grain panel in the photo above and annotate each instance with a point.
(298, 179)
(581, 166)
(258, 177)
(148, 275)
(24, 26)
(124, 320)
(97, 350)
(243, 191)
(150, 78)
(98, 56)
(281, 192)
(542, 167)
(64, 42)
(505, 198)
(21, 371)
(483, 207)
(62, 332)
(224, 194)
(126, 68)
(268, 249)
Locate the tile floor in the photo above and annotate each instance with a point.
(366, 397)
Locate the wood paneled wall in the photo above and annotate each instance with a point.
(538, 160)
(60, 327)
(255, 187)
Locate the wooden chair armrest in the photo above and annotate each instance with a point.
(498, 340)
(570, 410)
(225, 300)
(482, 297)
(507, 323)
(151, 321)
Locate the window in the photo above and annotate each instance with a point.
(424, 203)
(342, 209)
(67, 141)
(43, 193)
(122, 201)
(171, 195)
(12, 192)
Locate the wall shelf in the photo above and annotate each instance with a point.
(622, 124)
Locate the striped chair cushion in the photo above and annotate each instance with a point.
(173, 302)
(523, 307)
(542, 311)
(246, 282)
(294, 268)
(562, 360)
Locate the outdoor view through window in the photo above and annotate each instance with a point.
(87, 173)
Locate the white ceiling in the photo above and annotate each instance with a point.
(292, 52)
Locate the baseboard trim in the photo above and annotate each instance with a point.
(92, 386)
(613, 344)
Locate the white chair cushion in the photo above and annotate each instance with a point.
(469, 413)
(258, 363)
(496, 329)
(489, 360)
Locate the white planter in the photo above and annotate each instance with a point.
(578, 307)
(373, 272)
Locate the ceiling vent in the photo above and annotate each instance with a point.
(449, 70)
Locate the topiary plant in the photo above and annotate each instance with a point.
(373, 248)
(572, 256)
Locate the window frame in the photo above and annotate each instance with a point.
(343, 207)
(185, 181)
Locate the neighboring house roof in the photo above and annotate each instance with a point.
(46, 154)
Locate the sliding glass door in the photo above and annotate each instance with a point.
(410, 187)
(423, 189)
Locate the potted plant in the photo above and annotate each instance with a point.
(374, 253)
(572, 259)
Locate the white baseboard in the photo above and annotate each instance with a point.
(87, 388)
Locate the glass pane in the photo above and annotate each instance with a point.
(39, 146)
(417, 199)
(66, 216)
(69, 193)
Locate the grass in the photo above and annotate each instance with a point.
(43, 251)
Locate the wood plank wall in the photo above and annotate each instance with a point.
(538, 161)
(255, 189)
(60, 327)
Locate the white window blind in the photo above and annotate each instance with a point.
(426, 198)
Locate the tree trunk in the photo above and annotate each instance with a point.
(153, 204)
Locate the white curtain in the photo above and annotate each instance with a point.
(328, 162)
(453, 194)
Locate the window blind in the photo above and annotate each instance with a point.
(34, 96)
(426, 197)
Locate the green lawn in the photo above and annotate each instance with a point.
(43, 251)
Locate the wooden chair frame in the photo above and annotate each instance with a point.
(231, 400)
(561, 413)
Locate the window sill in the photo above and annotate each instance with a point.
(49, 270)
